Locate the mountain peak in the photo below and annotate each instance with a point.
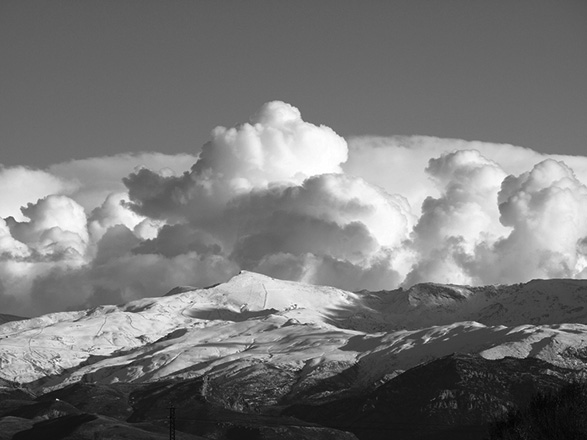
(253, 291)
(247, 277)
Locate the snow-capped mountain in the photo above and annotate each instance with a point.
(296, 326)
(260, 343)
(537, 302)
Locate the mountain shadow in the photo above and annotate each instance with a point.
(454, 397)
(560, 415)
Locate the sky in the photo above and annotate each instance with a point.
(92, 78)
(145, 145)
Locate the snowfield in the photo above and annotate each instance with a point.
(254, 322)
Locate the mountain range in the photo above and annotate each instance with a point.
(258, 357)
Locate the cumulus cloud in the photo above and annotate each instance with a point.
(10, 248)
(490, 228)
(93, 179)
(293, 200)
(276, 146)
(56, 228)
(464, 216)
(123, 276)
(398, 163)
(270, 196)
(331, 220)
(21, 185)
(547, 209)
(112, 212)
(51, 222)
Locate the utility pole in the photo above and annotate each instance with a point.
(171, 422)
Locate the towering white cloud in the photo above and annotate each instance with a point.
(289, 199)
(56, 227)
(398, 163)
(276, 147)
(547, 209)
(331, 220)
(271, 197)
(463, 217)
(53, 221)
(20, 186)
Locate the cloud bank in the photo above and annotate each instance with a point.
(294, 200)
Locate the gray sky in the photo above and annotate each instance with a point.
(93, 78)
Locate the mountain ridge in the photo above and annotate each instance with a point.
(260, 344)
(345, 326)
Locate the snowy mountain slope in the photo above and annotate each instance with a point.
(248, 347)
(47, 345)
(537, 302)
(303, 333)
